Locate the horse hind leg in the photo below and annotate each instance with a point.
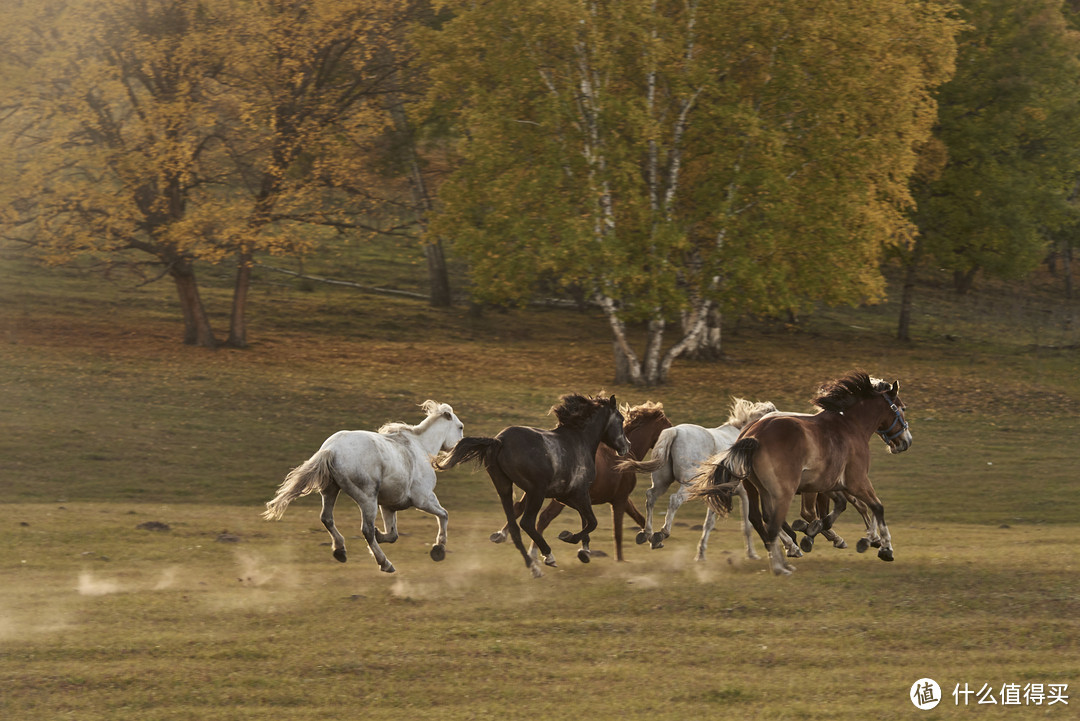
(329, 497)
(369, 507)
(675, 500)
(505, 488)
(706, 529)
(748, 529)
(501, 535)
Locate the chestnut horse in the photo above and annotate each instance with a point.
(779, 456)
(642, 426)
(559, 463)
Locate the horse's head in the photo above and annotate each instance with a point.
(894, 428)
(642, 426)
(451, 428)
(613, 434)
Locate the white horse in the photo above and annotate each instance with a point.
(676, 457)
(390, 470)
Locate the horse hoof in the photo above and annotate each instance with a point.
(885, 554)
(536, 570)
(583, 555)
(799, 526)
(657, 540)
(438, 552)
(567, 537)
(862, 545)
(876, 544)
(814, 528)
(794, 552)
(840, 543)
(339, 554)
(387, 567)
(641, 537)
(807, 544)
(497, 537)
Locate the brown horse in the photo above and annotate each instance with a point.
(779, 456)
(558, 463)
(642, 426)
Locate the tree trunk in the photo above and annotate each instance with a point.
(907, 295)
(1066, 263)
(238, 318)
(438, 277)
(964, 280)
(197, 330)
(623, 375)
(706, 346)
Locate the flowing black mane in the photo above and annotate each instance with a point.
(840, 394)
(574, 410)
(638, 416)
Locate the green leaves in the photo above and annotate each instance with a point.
(667, 154)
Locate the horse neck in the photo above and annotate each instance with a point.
(643, 438)
(866, 414)
(592, 430)
(430, 438)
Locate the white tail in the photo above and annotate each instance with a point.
(314, 474)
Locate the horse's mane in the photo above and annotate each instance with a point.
(574, 409)
(744, 412)
(638, 416)
(840, 394)
(432, 408)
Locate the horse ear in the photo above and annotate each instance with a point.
(895, 386)
(612, 403)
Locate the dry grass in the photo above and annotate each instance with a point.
(109, 423)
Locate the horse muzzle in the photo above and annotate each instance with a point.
(900, 444)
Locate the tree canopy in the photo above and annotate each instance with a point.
(668, 157)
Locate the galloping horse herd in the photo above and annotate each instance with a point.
(592, 456)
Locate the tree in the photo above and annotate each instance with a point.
(1009, 123)
(110, 121)
(308, 91)
(200, 130)
(678, 157)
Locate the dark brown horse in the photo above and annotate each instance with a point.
(559, 463)
(779, 456)
(642, 426)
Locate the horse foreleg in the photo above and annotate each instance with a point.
(634, 513)
(618, 509)
(389, 534)
(661, 481)
(329, 497)
(430, 504)
(583, 505)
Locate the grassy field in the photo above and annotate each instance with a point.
(110, 430)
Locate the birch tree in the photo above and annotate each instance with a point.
(679, 158)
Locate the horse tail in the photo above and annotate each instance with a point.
(314, 474)
(470, 448)
(720, 476)
(629, 464)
